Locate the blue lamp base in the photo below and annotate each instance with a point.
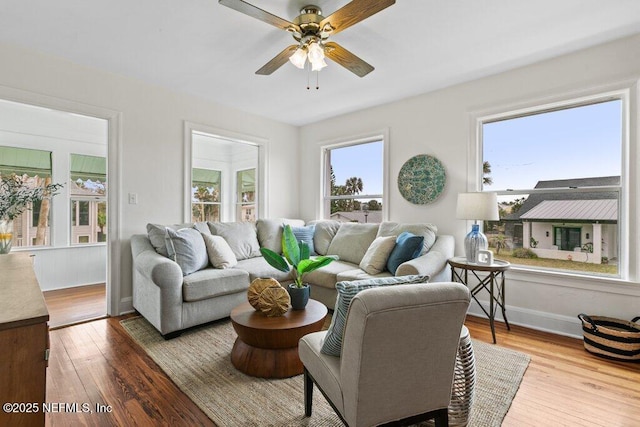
(473, 242)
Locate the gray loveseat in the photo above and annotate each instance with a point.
(172, 301)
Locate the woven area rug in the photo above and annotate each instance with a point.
(199, 363)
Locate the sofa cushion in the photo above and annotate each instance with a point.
(219, 251)
(352, 241)
(346, 291)
(324, 234)
(241, 237)
(211, 283)
(408, 247)
(270, 232)
(327, 275)
(186, 247)
(429, 231)
(259, 268)
(375, 259)
(305, 234)
(157, 234)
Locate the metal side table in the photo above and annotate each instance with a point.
(492, 282)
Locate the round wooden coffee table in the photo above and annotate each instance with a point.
(267, 347)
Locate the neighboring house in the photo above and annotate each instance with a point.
(578, 226)
(358, 216)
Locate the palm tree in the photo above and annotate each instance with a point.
(354, 185)
(499, 241)
(486, 171)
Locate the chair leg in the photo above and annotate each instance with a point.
(308, 393)
(442, 418)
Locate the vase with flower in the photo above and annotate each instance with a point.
(17, 194)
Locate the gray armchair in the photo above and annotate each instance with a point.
(398, 356)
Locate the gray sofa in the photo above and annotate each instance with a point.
(172, 301)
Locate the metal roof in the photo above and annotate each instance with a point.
(584, 210)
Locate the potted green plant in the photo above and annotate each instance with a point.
(295, 259)
(17, 195)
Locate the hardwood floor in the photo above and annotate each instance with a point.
(74, 305)
(97, 363)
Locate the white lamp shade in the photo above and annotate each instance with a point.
(316, 53)
(298, 58)
(318, 65)
(478, 206)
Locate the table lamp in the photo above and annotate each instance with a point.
(476, 206)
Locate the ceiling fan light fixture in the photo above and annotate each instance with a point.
(318, 65)
(316, 56)
(316, 52)
(298, 58)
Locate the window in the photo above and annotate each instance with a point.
(32, 227)
(206, 194)
(246, 195)
(353, 176)
(557, 171)
(88, 196)
(224, 180)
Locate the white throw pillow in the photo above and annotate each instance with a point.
(219, 251)
(242, 237)
(352, 241)
(375, 259)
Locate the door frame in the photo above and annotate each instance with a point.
(114, 161)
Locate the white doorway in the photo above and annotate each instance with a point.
(78, 143)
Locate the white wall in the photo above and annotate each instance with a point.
(151, 135)
(440, 124)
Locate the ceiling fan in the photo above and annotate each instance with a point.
(311, 30)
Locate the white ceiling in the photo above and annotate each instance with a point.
(208, 50)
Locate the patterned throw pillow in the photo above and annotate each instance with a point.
(305, 234)
(408, 246)
(346, 291)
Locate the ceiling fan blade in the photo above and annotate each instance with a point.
(348, 60)
(263, 15)
(278, 61)
(354, 12)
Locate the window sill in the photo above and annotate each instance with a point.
(53, 248)
(591, 283)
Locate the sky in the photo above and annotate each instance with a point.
(362, 161)
(573, 143)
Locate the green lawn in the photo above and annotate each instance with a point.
(557, 263)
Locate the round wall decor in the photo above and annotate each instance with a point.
(422, 179)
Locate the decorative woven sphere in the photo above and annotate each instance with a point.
(274, 301)
(256, 288)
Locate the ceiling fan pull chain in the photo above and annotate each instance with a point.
(317, 79)
(308, 73)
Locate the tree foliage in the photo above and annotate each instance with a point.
(352, 186)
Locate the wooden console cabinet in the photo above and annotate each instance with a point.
(24, 343)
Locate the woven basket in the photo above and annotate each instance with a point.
(611, 338)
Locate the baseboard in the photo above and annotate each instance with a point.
(533, 319)
(126, 306)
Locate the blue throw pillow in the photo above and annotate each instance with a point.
(305, 234)
(332, 344)
(408, 246)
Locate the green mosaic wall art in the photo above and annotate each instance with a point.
(422, 179)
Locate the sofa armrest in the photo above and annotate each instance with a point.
(156, 286)
(433, 262)
(161, 271)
